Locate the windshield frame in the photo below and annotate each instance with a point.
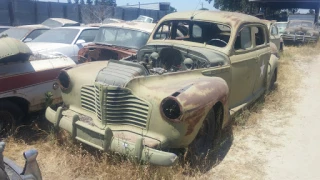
(99, 36)
(186, 29)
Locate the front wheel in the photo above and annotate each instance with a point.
(204, 142)
(10, 116)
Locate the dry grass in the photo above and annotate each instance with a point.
(60, 158)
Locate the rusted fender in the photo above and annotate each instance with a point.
(198, 98)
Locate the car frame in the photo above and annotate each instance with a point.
(180, 91)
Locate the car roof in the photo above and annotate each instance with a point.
(142, 26)
(33, 26)
(77, 27)
(232, 18)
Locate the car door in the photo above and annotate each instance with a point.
(262, 49)
(274, 36)
(243, 63)
(85, 37)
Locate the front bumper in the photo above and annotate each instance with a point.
(105, 140)
(299, 38)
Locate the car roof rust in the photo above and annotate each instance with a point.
(11, 47)
(141, 26)
(231, 18)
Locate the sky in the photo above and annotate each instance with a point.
(180, 5)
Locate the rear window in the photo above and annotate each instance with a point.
(195, 31)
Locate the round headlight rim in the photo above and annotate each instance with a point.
(61, 84)
(175, 120)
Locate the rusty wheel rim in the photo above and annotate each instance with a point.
(6, 122)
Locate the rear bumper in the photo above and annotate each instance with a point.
(105, 140)
(299, 38)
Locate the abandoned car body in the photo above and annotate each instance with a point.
(180, 92)
(25, 33)
(25, 82)
(275, 37)
(301, 31)
(116, 41)
(64, 41)
(11, 171)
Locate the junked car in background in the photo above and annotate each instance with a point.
(9, 170)
(63, 41)
(145, 19)
(59, 22)
(25, 33)
(275, 37)
(179, 92)
(301, 31)
(116, 41)
(282, 26)
(25, 82)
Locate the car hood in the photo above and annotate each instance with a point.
(303, 29)
(42, 46)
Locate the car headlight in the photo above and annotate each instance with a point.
(171, 109)
(64, 80)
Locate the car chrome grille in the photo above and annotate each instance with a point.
(90, 99)
(300, 33)
(120, 106)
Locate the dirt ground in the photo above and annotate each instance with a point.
(274, 139)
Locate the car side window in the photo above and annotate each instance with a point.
(243, 40)
(88, 35)
(259, 35)
(35, 33)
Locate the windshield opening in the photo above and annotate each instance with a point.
(195, 31)
(65, 36)
(17, 33)
(122, 37)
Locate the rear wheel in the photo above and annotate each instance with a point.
(10, 117)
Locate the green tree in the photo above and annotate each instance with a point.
(82, 2)
(233, 5)
(76, 1)
(203, 9)
(69, 2)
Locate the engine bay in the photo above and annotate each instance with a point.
(163, 59)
